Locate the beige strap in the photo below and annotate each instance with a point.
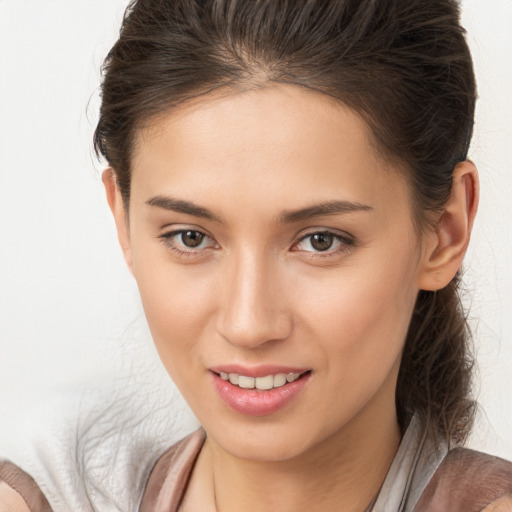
(25, 487)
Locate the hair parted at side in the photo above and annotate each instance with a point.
(402, 65)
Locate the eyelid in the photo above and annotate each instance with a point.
(347, 242)
(167, 238)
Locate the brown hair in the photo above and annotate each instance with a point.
(403, 65)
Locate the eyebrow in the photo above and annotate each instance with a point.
(322, 209)
(286, 217)
(181, 206)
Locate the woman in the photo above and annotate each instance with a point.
(291, 192)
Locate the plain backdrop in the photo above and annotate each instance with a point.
(69, 311)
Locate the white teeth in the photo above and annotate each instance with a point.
(279, 380)
(246, 382)
(265, 382)
(262, 383)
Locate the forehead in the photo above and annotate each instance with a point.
(282, 141)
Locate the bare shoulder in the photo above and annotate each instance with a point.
(19, 492)
(10, 500)
(502, 505)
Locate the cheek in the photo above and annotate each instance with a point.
(359, 328)
(362, 314)
(177, 304)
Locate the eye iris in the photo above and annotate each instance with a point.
(192, 238)
(322, 241)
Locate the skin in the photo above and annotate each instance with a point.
(256, 291)
(10, 500)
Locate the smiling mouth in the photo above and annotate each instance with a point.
(264, 383)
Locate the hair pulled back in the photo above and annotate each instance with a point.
(402, 65)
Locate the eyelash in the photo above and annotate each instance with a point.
(167, 239)
(346, 243)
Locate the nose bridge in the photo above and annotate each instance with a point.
(252, 309)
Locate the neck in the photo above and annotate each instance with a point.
(344, 472)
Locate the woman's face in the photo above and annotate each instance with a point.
(270, 240)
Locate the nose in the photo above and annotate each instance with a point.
(252, 303)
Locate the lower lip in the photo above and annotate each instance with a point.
(253, 402)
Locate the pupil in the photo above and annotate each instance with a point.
(192, 238)
(322, 241)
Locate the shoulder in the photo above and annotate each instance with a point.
(93, 449)
(502, 505)
(468, 481)
(10, 500)
(19, 492)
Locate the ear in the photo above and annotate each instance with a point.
(115, 201)
(447, 243)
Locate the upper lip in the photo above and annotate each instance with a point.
(257, 371)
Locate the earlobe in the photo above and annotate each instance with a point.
(116, 204)
(449, 240)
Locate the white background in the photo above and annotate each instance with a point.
(69, 312)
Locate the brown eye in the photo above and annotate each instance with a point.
(321, 241)
(326, 242)
(189, 242)
(192, 239)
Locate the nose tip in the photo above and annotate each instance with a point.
(254, 330)
(253, 309)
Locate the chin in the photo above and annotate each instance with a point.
(264, 447)
(263, 440)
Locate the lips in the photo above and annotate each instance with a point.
(259, 391)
